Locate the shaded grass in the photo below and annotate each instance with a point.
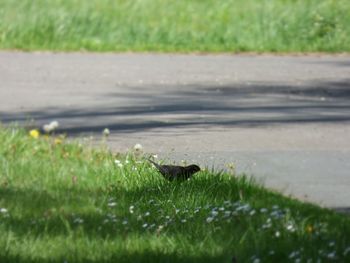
(157, 25)
(64, 201)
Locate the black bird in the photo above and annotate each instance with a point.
(174, 172)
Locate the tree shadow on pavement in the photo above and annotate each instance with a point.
(196, 105)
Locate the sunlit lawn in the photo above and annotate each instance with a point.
(180, 26)
(67, 202)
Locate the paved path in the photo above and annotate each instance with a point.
(283, 119)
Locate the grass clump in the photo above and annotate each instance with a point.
(157, 25)
(67, 202)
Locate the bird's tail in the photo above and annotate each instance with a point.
(155, 164)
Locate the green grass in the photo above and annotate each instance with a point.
(69, 202)
(182, 25)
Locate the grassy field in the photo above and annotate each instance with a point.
(68, 202)
(184, 26)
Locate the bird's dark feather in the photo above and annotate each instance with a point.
(174, 172)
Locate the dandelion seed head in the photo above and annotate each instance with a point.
(138, 147)
(106, 132)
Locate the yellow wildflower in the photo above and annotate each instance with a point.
(58, 141)
(34, 133)
(309, 229)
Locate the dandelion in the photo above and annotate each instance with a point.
(106, 132)
(48, 128)
(34, 134)
(58, 141)
(138, 147)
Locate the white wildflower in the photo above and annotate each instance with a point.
(210, 219)
(183, 220)
(331, 244)
(331, 255)
(214, 213)
(256, 260)
(125, 222)
(118, 163)
(277, 234)
(290, 228)
(78, 220)
(3, 210)
(252, 212)
(131, 209)
(293, 254)
(112, 204)
(147, 213)
(346, 251)
(263, 210)
(144, 225)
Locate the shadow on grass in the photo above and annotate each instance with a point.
(134, 257)
(42, 211)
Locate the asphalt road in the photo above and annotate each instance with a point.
(283, 119)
